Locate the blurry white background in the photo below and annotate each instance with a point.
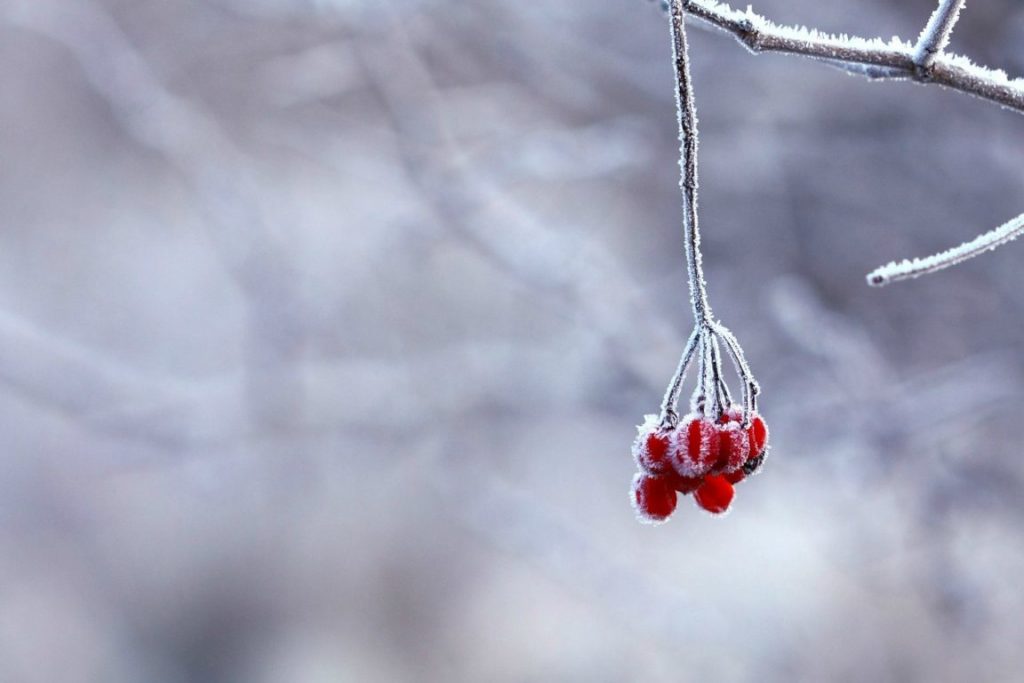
(325, 325)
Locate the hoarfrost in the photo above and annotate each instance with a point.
(911, 268)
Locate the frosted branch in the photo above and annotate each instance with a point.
(935, 36)
(924, 62)
(906, 269)
(873, 58)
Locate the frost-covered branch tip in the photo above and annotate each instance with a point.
(906, 269)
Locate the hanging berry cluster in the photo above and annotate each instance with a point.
(719, 443)
(701, 456)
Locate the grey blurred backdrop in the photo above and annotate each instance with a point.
(325, 325)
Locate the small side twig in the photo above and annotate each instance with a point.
(906, 269)
(935, 36)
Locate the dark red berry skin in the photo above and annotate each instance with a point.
(654, 498)
(758, 434)
(652, 452)
(735, 477)
(684, 484)
(715, 494)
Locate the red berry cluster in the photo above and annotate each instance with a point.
(700, 456)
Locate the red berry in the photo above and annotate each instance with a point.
(651, 451)
(697, 447)
(654, 499)
(758, 435)
(715, 494)
(684, 484)
(733, 447)
(733, 413)
(735, 477)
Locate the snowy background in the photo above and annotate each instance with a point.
(325, 325)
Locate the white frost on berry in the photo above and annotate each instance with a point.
(695, 465)
(734, 413)
(738, 447)
(634, 501)
(641, 454)
(650, 424)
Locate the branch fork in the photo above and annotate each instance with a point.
(925, 61)
(711, 397)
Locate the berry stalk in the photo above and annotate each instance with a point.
(709, 335)
(688, 165)
(719, 443)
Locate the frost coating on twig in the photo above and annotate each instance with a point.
(688, 166)
(669, 406)
(895, 59)
(925, 62)
(911, 268)
(935, 36)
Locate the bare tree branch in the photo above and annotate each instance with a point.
(895, 59)
(925, 62)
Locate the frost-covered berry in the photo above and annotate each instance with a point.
(651, 449)
(733, 413)
(684, 484)
(733, 447)
(696, 448)
(758, 436)
(737, 476)
(653, 498)
(715, 494)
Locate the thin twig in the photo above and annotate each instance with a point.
(670, 405)
(935, 36)
(688, 164)
(906, 269)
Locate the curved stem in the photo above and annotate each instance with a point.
(698, 401)
(750, 386)
(670, 404)
(722, 394)
(906, 269)
(688, 164)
